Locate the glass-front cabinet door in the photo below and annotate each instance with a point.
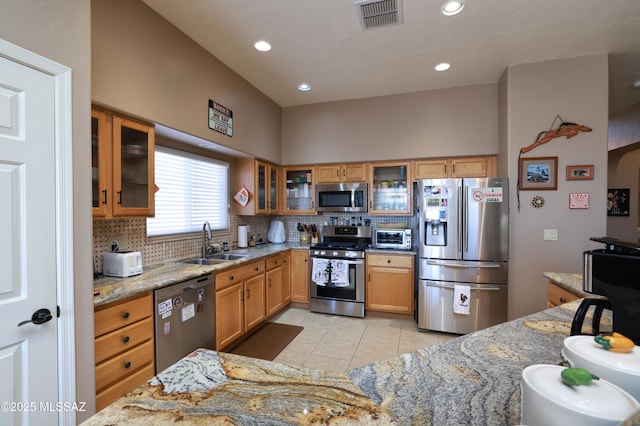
(273, 188)
(389, 186)
(267, 188)
(133, 151)
(261, 185)
(299, 190)
(101, 196)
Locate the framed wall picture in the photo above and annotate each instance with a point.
(580, 172)
(540, 173)
(618, 202)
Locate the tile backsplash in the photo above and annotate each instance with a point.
(133, 232)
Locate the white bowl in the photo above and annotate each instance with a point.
(545, 400)
(621, 369)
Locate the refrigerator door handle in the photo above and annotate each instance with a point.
(461, 217)
(452, 287)
(463, 264)
(465, 213)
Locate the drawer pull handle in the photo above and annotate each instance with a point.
(231, 277)
(125, 339)
(125, 315)
(388, 260)
(127, 364)
(563, 300)
(257, 268)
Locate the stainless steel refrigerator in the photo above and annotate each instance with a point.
(463, 253)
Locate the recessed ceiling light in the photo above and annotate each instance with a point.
(442, 67)
(262, 46)
(304, 87)
(452, 7)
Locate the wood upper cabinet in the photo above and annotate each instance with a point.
(300, 276)
(262, 181)
(390, 283)
(122, 166)
(124, 347)
(240, 301)
(390, 188)
(454, 167)
(336, 173)
(298, 191)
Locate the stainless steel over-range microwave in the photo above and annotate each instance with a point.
(342, 197)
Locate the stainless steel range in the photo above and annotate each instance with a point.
(337, 271)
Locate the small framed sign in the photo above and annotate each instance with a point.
(220, 118)
(579, 201)
(580, 172)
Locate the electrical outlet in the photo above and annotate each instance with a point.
(118, 243)
(550, 234)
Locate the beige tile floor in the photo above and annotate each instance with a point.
(339, 343)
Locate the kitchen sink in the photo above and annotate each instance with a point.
(204, 261)
(229, 256)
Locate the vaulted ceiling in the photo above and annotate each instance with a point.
(321, 42)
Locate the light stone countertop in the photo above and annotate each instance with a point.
(568, 281)
(471, 380)
(110, 289)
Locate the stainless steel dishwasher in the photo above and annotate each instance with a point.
(184, 319)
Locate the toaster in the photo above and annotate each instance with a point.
(122, 264)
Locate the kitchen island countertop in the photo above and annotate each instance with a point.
(473, 380)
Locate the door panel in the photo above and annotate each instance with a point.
(28, 353)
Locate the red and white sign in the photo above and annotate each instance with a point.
(487, 195)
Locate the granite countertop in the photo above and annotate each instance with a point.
(472, 380)
(568, 281)
(110, 289)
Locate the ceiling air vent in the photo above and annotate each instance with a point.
(379, 13)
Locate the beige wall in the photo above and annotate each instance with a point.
(624, 172)
(577, 90)
(60, 31)
(447, 122)
(144, 66)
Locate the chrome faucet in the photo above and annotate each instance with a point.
(205, 242)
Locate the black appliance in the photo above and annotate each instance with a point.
(613, 272)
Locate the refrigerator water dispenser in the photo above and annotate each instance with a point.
(436, 232)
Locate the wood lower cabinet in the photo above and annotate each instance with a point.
(390, 283)
(286, 278)
(124, 347)
(274, 282)
(240, 301)
(557, 295)
(299, 276)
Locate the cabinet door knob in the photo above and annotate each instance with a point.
(125, 315)
(562, 300)
(127, 364)
(388, 260)
(231, 277)
(125, 339)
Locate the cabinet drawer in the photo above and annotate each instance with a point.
(120, 314)
(239, 273)
(558, 295)
(124, 364)
(274, 261)
(390, 260)
(123, 339)
(112, 393)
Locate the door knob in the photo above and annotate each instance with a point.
(39, 317)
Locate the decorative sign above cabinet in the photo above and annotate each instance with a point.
(220, 118)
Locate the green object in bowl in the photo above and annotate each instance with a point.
(577, 377)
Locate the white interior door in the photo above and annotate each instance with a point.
(29, 361)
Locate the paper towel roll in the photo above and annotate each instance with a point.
(242, 236)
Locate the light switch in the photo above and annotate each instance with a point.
(550, 234)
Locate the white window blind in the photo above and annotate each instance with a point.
(192, 190)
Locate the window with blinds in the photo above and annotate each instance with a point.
(192, 191)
